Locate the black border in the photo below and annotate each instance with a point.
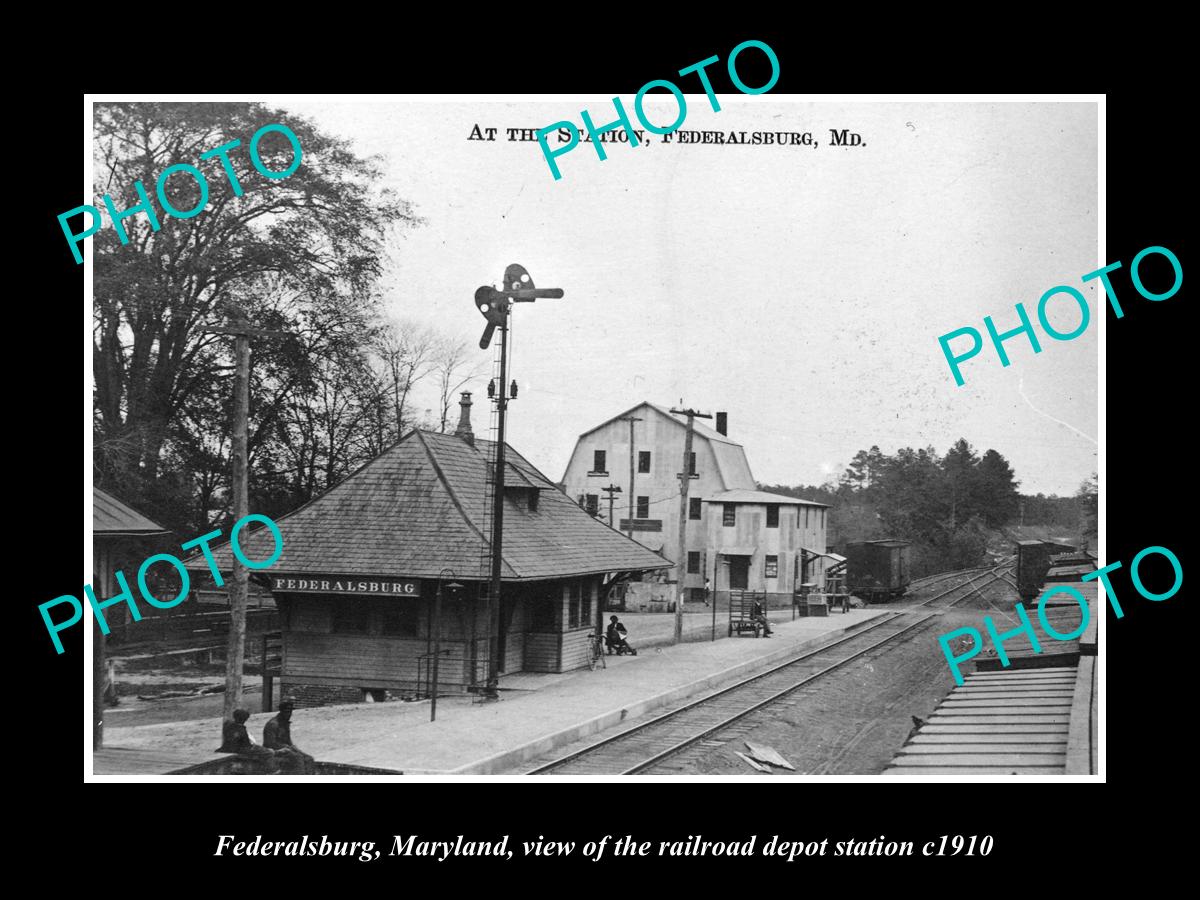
(1146, 446)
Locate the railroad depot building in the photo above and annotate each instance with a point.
(359, 571)
(738, 536)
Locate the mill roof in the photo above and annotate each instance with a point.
(743, 496)
(698, 426)
(731, 460)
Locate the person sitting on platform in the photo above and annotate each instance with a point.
(277, 736)
(758, 614)
(614, 638)
(236, 739)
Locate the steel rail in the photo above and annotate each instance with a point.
(725, 723)
(678, 747)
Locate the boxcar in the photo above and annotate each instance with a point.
(1033, 562)
(877, 570)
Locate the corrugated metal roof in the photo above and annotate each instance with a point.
(742, 496)
(113, 518)
(422, 506)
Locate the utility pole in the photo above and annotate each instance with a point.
(685, 478)
(612, 490)
(235, 655)
(495, 306)
(630, 420)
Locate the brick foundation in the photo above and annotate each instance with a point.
(322, 694)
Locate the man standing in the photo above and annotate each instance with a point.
(707, 589)
(277, 736)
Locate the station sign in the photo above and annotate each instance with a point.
(343, 584)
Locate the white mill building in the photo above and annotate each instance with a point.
(737, 535)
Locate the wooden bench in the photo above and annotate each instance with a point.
(741, 612)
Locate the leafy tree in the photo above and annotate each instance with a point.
(948, 506)
(1088, 497)
(298, 254)
(863, 468)
(958, 465)
(996, 497)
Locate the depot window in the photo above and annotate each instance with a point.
(351, 617)
(399, 620)
(693, 562)
(772, 515)
(599, 462)
(643, 460)
(729, 515)
(643, 507)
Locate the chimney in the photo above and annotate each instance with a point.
(464, 419)
(723, 423)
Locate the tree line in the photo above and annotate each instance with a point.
(303, 256)
(954, 507)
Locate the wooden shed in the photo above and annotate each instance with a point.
(118, 531)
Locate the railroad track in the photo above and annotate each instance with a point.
(920, 584)
(928, 581)
(650, 743)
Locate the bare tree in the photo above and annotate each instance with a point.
(406, 351)
(455, 366)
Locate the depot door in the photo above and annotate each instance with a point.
(739, 573)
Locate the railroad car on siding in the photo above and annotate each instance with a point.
(877, 570)
(1033, 562)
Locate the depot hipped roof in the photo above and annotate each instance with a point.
(421, 506)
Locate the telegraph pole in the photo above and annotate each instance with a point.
(235, 655)
(612, 490)
(495, 306)
(630, 420)
(685, 478)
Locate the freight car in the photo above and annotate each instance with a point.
(1033, 562)
(877, 570)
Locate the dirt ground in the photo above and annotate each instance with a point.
(854, 720)
(152, 682)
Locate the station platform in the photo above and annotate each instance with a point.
(149, 761)
(536, 713)
(1016, 722)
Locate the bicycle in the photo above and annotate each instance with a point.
(596, 652)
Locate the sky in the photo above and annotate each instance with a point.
(801, 289)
